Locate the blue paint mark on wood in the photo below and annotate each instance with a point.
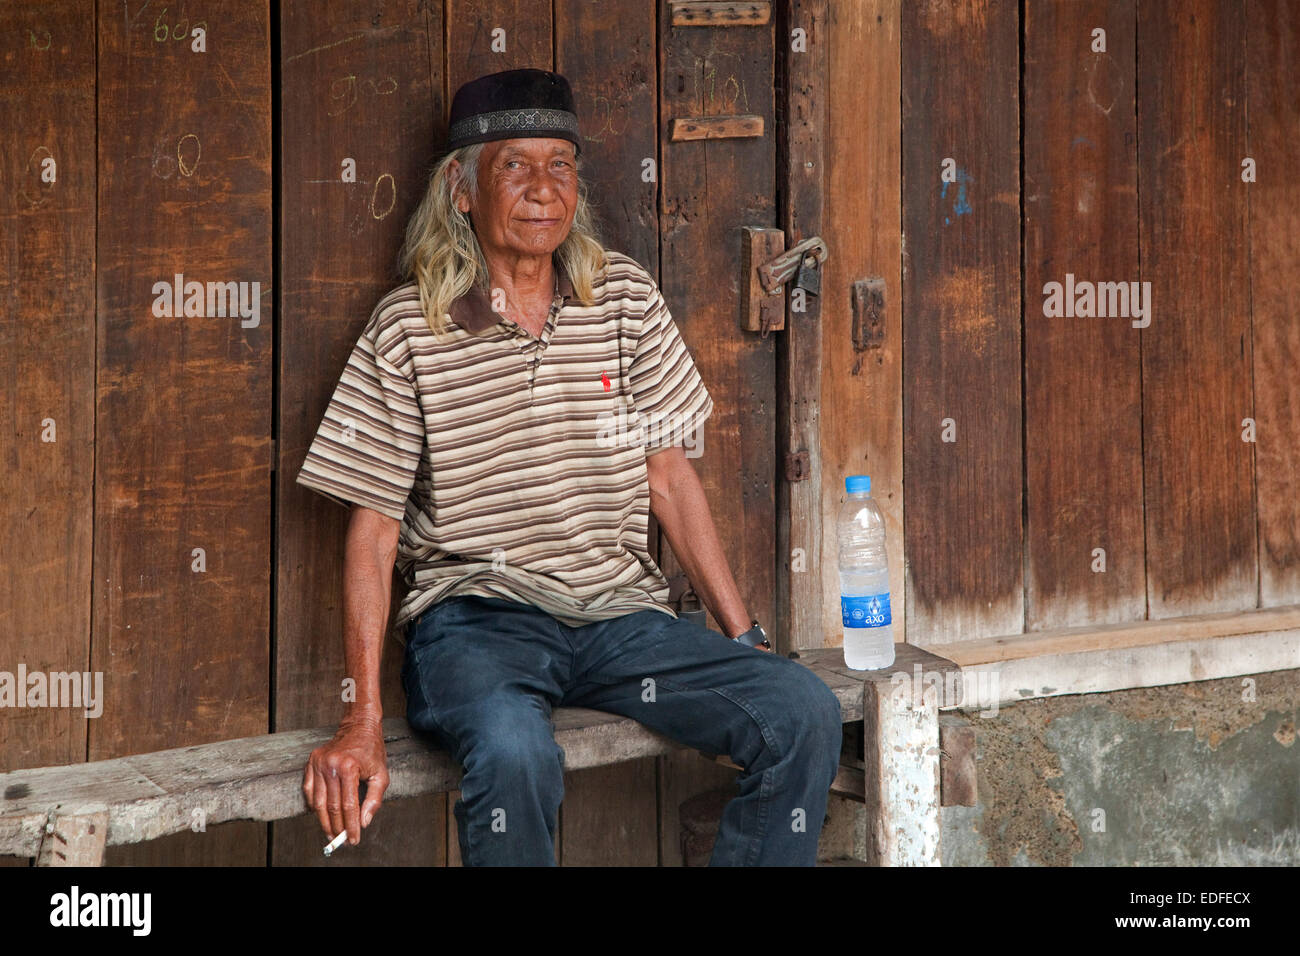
(961, 205)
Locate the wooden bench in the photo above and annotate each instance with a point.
(65, 816)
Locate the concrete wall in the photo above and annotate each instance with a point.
(1206, 773)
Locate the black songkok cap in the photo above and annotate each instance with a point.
(511, 105)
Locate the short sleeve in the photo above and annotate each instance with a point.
(667, 391)
(371, 438)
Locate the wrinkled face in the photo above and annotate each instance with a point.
(527, 195)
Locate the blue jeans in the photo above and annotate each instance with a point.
(482, 675)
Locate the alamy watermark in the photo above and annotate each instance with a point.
(969, 688)
(178, 298)
(55, 689)
(1099, 300)
(622, 430)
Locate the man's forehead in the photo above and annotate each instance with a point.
(528, 146)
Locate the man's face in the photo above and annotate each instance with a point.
(527, 194)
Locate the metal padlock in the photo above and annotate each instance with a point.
(809, 276)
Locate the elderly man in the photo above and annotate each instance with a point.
(505, 424)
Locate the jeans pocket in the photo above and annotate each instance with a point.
(431, 626)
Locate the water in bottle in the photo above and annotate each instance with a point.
(864, 579)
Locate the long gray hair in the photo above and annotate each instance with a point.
(442, 255)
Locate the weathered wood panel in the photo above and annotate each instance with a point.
(610, 816)
(961, 329)
(801, 150)
(361, 81)
(1083, 389)
(862, 421)
(607, 52)
(1196, 354)
(1273, 96)
(47, 358)
(709, 190)
(486, 36)
(181, 596)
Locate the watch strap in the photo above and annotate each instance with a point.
(754, 637)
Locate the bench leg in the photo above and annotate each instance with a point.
(74, 841)
(901, 746)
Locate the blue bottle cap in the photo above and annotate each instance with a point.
(857, 483)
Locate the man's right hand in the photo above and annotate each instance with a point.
(334, 774)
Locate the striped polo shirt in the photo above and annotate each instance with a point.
(516, 464)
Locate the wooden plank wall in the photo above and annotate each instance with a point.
(961, 320)
(360, 81)
(182, 556)
(862, 392)
(709, 189)
(1083, 376)
(1197, 352)
(47, 326)
(1273, 124)
(1132, 436)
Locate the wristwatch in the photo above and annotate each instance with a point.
(754, 637)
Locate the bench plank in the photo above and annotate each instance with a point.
(148, 796)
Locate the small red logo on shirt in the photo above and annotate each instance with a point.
(604, 380)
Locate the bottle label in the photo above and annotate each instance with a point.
(865, 610)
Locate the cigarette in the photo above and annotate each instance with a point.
(336, 843)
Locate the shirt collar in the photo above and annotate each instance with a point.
(473, 311)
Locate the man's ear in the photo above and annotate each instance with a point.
(454, 172)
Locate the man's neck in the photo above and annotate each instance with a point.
(523, 279)
(527, 288)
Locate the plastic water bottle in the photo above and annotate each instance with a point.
(864, 579)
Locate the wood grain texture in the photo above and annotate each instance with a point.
(1273, 100)
(607, 51)
(709, 190)
(75, 841)
(801, 152)
(862, 391)
(361, 81)
(610, 816)
(961, 320)
(1196, 354)
(183, 420)
(47, 359)
(1083, 387)
(526, 40)
(1111, 637)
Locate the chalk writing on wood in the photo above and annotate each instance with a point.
(343, 91)
(187, 148)
(602, 114)
(180, 30)
(720, 88)
(385, 185)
